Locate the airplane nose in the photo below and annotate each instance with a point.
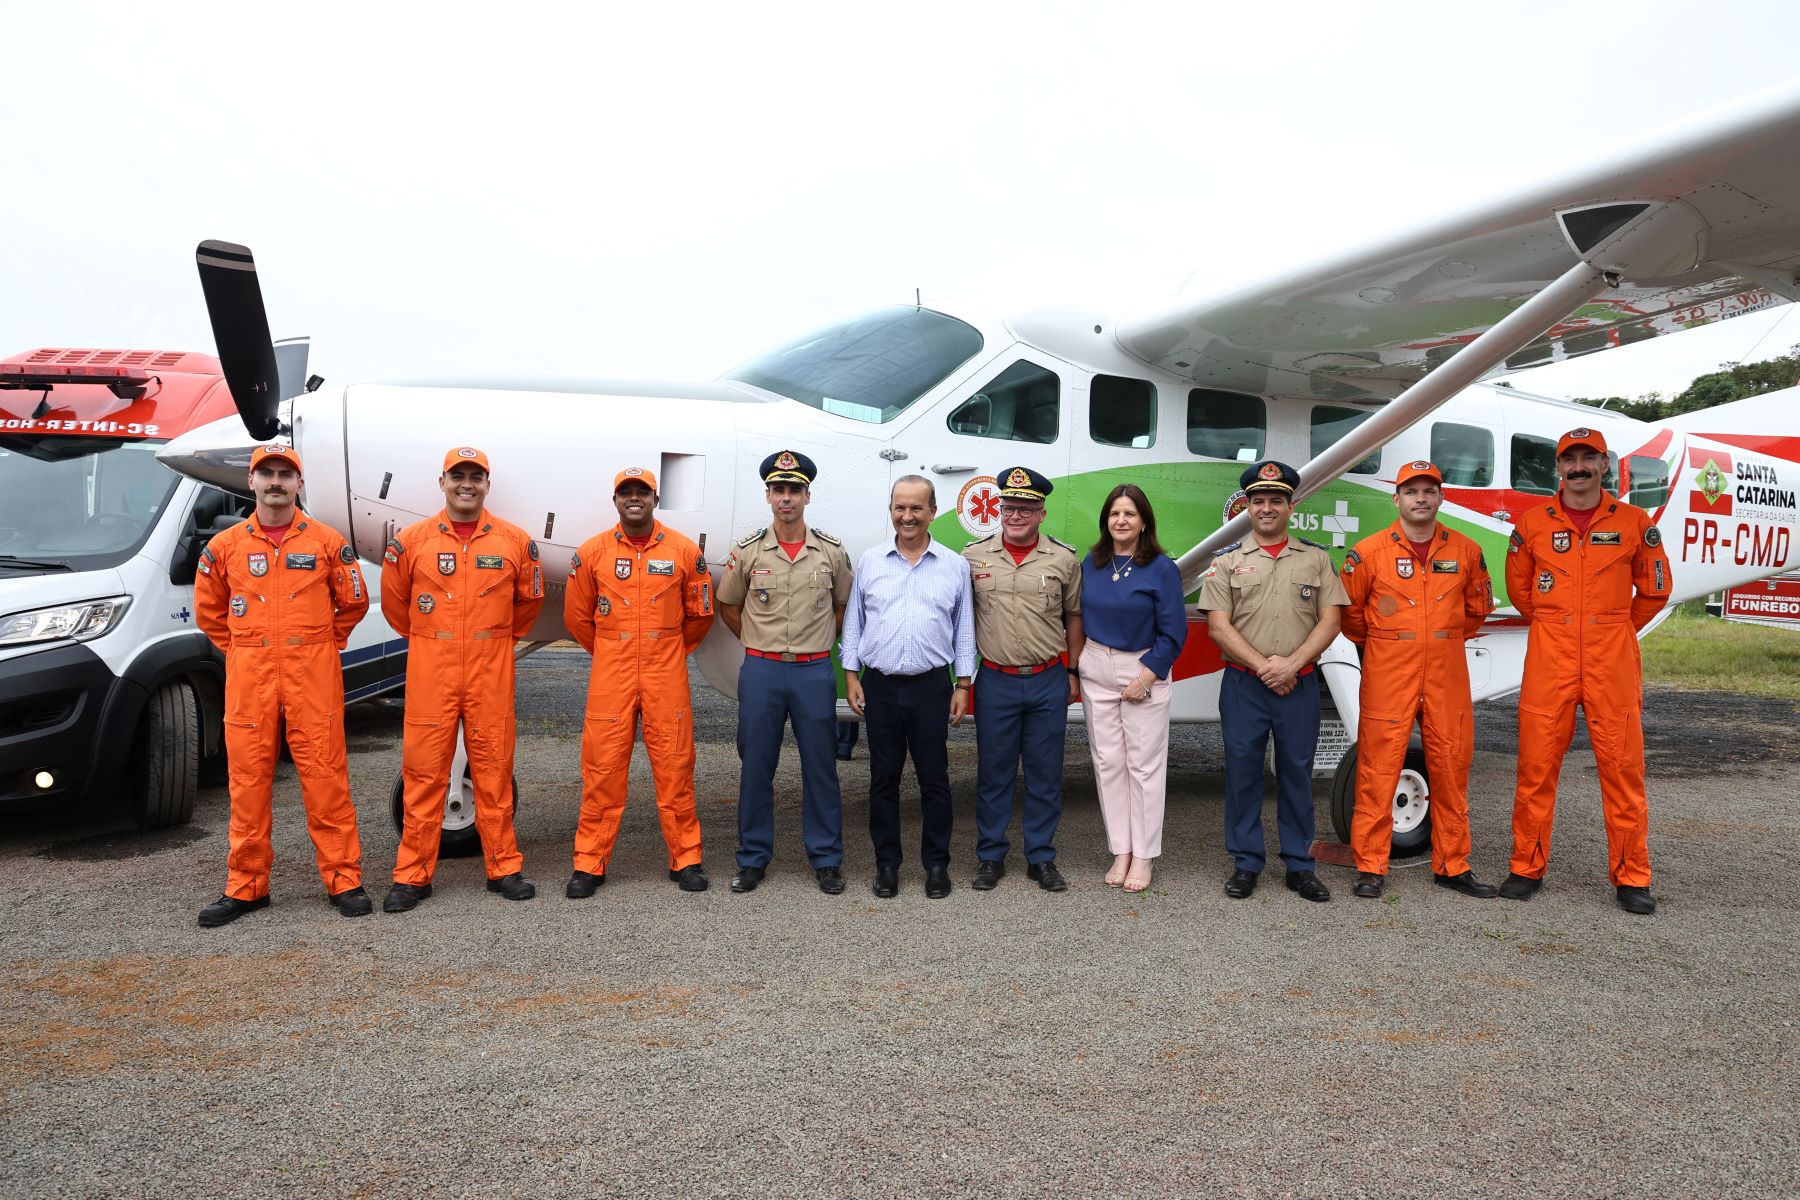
(218, 453)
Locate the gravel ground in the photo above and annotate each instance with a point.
(788, 1043)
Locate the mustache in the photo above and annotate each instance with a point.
(1579, 475)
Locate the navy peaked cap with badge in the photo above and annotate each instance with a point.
(788, 466)
(1023, 483)
(1269, 475)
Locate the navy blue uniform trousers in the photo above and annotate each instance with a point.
(1019, 717)
(909, 713)
(1249, 713)
(769, 693)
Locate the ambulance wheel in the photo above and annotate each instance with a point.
(1412, 802)
(165, 757)
(460, 839)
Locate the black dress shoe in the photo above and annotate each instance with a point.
(583, 884)
(1047, 876)
(1466, 883)
(1369, 884)
(352, 902)
(746, 879)
(1241, 884)
(1519, 887)
(937, 882)
(227, 909)
(1310, 886)
(831, 880)
(404, 897)
(1637, 900)
(691, 878)
(887, 882)
(514, 886)
(988, 874)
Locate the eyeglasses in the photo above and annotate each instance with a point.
(1015, 510)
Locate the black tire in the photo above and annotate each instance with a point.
(1407, 842)
(165, 757)
(463, 841)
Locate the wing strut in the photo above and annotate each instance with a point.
(1575, 287)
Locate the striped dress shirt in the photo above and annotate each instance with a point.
(906, 619)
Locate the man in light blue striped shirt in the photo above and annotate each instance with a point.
(909, 624)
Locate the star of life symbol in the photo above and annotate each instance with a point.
(1340, 525)
(978, 506)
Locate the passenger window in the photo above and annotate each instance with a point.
(1534, 465)
(1022, 404)
(1226, 425)
(1464, 453)
(1122, 412)
(1649, 481)
(1331, 425)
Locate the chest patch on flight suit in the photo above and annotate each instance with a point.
(1445, 566)
(1403, 567)
(603, 606)
(662, 566)
(302, 562)
(1545, 581)
(1560, 541)
(1606, 537)
(622, 568)
(446, 564)
(259, 564)
(426, 603)
(239, 606)
(489, 562)
(345, 554)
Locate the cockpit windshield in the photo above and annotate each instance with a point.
(78, 510)
(870, 368)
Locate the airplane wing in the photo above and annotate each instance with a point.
(1685, 227)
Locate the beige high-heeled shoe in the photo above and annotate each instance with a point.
(1139, 877)
(1121, 865)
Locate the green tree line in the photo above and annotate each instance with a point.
(1732, 381)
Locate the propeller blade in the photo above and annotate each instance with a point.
(241, 332)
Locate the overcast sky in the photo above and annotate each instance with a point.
(662, 191)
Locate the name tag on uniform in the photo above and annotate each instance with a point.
(762, 570)
(489, 562)
(982, 575)
(1605, 537)
(662, 566)
(1245, 570)
(308, 562)
(1443, 566)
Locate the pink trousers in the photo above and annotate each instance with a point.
(1130, 746)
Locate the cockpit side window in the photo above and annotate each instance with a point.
(1021, 404)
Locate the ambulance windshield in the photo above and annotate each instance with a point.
(77, 504)
(868, 369)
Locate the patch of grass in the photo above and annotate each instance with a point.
(1693, 650)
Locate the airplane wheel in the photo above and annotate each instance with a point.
(460, 838)
(1412, 802)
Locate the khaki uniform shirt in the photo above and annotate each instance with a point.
(1275, 603)
(790, 607)
(1019, 607)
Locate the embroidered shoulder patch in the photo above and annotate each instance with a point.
(346, 555)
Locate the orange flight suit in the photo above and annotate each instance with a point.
(280, 615)
(461, 606)
(1411, 619)
(1586, 599)
(639, 613)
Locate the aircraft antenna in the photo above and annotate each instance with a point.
(916, 303)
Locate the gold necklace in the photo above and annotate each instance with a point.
(1130, 561)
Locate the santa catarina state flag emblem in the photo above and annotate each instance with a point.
(1712, 482)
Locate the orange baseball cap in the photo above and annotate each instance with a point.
(1581, 437)
(643, 475)
(466, 455)
(280, 451)
(1418, 468)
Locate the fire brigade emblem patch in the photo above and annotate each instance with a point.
(446, 564)
(1561, 540)
(787, 461)
(426, 603)
(1652, 536)
(603, 607)
(1018, 478)
(259, 564)
(1545, 581)
(1403, 567)
(346, 555)
(1306, 591)
(239, 606)
(621, 568)
(1269, 471)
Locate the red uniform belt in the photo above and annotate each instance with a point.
(1306, 670)
(787, 656)
(1033, 669)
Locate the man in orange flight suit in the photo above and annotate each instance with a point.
(1588, 571)
(639, 600)
(278, 594)
(1417, 590)
(461, 587)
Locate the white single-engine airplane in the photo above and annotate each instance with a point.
(1351, 368)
